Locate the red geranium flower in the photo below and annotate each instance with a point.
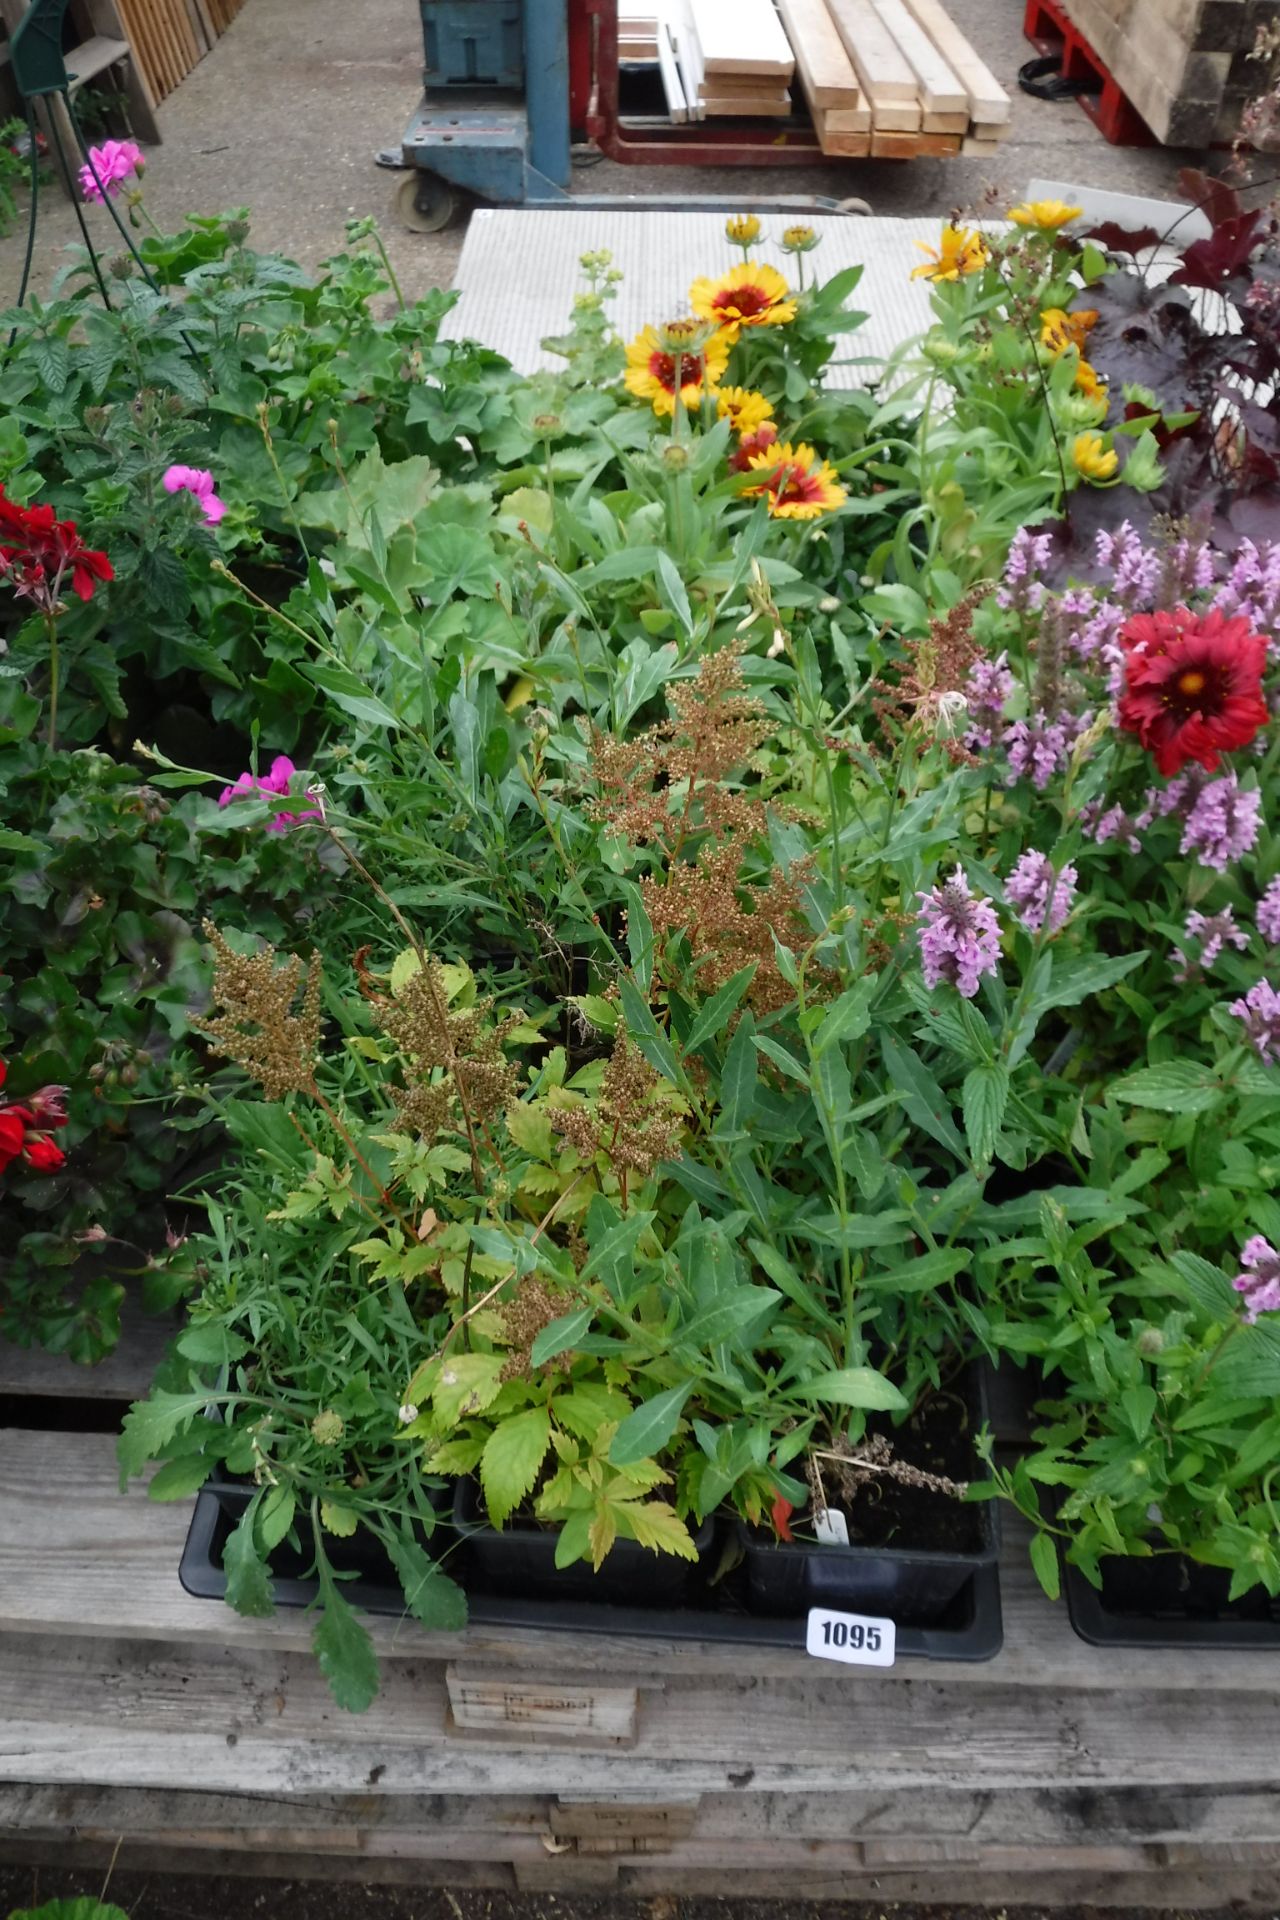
(43, 1154)
(38, 552)
(1193, 686)
(13, 1131)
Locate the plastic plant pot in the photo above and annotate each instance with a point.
(519, 1561)
(911, 1585)
(360, 1553)
(1168, 1600)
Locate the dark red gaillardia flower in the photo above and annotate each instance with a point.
(1193, 686)
(39, 552)
(752, 443)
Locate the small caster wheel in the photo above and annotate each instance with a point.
(424, 202)
(853, 205)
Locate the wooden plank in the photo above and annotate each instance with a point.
(897, 116)
(125, 1374)
(975, 149)
(77, 1559)
(940, 89)
(911, 146)
(825, 69)
(988, 100)
(525, 1711)
(944, 122)
(836, 120)
(672, 84)
(846, 146)
(769, 108)
(742, 36)
(881, 67)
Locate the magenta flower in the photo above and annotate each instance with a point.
(1038, 895)
(959, 936)
(1223, 824)
(277, 781)
(1260, 1280)
(985, 691)
(1039, 748)
(1260, 1012)
(1112, 823)
(1269, 914)
(199, 482)
(112, 162)
(1211, 933)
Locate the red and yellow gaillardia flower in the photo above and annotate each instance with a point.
(747, 296)
(797, 483)
(1193, 686)
(1089, 382)
(655, 353)
(961, 251)
(764, 437)
(743, 408)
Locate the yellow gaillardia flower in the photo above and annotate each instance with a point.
(743, 408)
(652, 359)
(1045, 215)
(797, 484)
(961, 251)
(1091, 459)
(1089, 383)
(742, 229)
(747, 296)
(1059, 330)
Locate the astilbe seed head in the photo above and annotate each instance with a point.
(530, 1309)
(635, 1122)
(450, 1052)
(257, 1026)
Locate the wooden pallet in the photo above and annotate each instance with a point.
(195, 1740)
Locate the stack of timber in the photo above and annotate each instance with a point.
(744, 57)
(658, 33)
(894, 79)
(170, 1734)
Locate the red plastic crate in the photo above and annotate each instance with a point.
(1049, 30)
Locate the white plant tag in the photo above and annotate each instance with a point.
(831, 1527)
(858, 1639)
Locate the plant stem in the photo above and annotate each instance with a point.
(51, 626)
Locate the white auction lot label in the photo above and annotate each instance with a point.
(858, 1639)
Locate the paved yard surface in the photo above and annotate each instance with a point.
(286, 112)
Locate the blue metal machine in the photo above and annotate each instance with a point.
(494, 120)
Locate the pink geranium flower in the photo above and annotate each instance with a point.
(112, 163)
(199, 482)
(277, 781)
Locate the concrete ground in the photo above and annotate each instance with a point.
(284, 116)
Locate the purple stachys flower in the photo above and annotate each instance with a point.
(1022, 591)
(1188, 568)
(959, 936)
(1038, 895)
(1269, 914)
(1094, 634)
(1260, 1012)
(1210, 932)
(1252, 587)
(1260, 1280)
(1039, 748)
(987, 688)
(1178, 798)
(1223, 824)
(1136, 570)
(1111, 823)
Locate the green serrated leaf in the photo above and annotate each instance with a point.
(1044, 1562)
(986, 1095)
(512, 1460)
(560, 1336)
(435, 1601)
(150, 1424)
(1175, 1086)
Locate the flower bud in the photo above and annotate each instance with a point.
(799, 239)
(1150, 1342)
(675, 458)
(328, 1428)
(742, 229)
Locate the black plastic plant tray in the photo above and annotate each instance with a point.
(972, 1628)
(1140, 1606)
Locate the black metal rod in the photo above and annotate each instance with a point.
(72, 189)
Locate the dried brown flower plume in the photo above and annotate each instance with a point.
(635, 1121)
(531, 1308)
(257, 1026)
(451, 1051)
